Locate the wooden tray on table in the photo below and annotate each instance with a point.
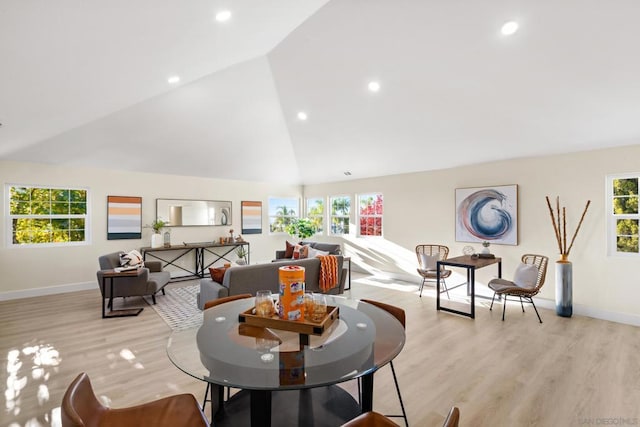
(304, 327)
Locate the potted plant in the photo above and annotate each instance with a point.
(156, 238)
(302, 228)
(241, 253)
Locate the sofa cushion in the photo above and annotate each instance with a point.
(332, 248)
(315, 252)
(252, 278)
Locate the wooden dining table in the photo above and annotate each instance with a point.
(282, 381)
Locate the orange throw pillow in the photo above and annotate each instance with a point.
(217, 273)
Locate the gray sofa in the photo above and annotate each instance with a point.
(151, 280)
(252, 278)
(332, 248)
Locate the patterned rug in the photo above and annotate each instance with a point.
(178, 307)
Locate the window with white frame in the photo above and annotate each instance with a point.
(47, 216)
(315, 212)
(340, 214)
(281, 211)
(623, 214)
(370, 214)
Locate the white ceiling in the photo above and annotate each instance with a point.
(85, 83)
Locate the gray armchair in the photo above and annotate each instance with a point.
(150, 281)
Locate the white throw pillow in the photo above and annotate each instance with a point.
(315, 252)
(428, 262)
(526, 275)
(131, 259)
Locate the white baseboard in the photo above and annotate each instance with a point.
(50, 290)
(578, 309)
(596, 313)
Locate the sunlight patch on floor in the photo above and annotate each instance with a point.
(387, 283)
(42, 357)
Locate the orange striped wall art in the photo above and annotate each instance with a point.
(251, 217)
(124, 217)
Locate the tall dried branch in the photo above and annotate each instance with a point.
(555, 227)
(559, 229)
(564, 230)
(579, 224)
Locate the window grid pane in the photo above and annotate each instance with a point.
(315, 212)
(281, 212)
(624, 217)
(340, 214)
(43, 215)
(370, 218)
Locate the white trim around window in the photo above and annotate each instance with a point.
(622, 214)
(47, 216)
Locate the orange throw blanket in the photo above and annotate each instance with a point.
(328, 272)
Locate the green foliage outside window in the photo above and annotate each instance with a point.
(47, 215)
(625, 196)
(315, 213)
(627, 235)
(281, 212)
(340, 211)
(625, 203)
(302, 228)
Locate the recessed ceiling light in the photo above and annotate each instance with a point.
(347, 173)
(302, 115)
(223, 15)
(174, 79)
(509, 28)
(374, 86)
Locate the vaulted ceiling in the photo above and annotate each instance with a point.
(86, 83)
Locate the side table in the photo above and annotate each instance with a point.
(112, 275)
(470, 264)
(348, 260)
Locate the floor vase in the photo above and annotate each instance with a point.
(564, 284)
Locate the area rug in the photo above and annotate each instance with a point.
(178, 307)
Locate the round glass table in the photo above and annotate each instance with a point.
(284, 382)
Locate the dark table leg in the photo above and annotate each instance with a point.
(438, 286)
(260, 408)
(473, 293)
(367, 393)
(103, 295)
(117, 313)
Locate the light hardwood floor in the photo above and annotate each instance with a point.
(565, 372)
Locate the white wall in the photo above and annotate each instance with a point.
(419, 208)
(29, 271)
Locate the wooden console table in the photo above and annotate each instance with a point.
(170, 255)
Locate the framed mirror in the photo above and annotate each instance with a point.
(185, 213)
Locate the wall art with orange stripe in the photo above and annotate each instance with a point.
(124, 217)
(251, 217)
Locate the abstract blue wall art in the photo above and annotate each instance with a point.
(487, 213)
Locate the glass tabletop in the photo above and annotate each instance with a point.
(226, 352)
